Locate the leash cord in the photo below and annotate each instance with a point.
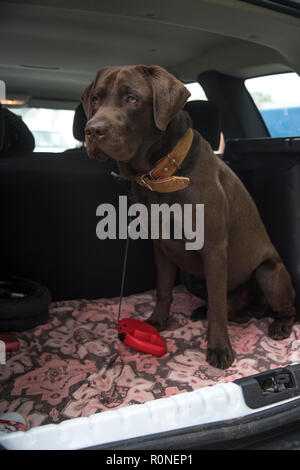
(123, 276)
(123, 182)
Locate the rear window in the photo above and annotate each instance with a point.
(278, 100)
(52, 128)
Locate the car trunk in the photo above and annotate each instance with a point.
(75, 381)
(79, 386)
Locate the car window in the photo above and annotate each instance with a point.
(288, 7)
(197, 93)
(278, 100)
(196, 90)
(52, 128)
(2, 91)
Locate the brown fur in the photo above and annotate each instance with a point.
(238, 256)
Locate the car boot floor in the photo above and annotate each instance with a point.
(75, 365)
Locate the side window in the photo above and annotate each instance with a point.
(196, 91)
(278, 100)
(2, 91)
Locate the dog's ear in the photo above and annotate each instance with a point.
(86, 99)
(169, 95)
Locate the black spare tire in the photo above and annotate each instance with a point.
(24, 304)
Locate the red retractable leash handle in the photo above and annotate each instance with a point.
(141, 336)
(138, 334)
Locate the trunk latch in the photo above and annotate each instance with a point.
(271, 386)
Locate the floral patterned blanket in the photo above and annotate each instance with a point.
(75, 365)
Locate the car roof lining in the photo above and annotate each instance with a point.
(53, 49)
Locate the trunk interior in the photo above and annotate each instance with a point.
(73, 365)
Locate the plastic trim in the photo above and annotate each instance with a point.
(250, 431)
(207, 405)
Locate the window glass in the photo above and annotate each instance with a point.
(52, 128)
(2, 91)
(196, 90)
(197, 93)
(278, 100)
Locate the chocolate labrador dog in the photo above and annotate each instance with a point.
(135, 117)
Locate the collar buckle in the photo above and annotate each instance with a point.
(145, 182)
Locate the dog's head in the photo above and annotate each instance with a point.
(128, 107)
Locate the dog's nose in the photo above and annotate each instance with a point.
(95, 129)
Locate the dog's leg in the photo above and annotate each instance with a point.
(238, 303)
(258, 306)
(275, 282)
(237, 306)
(219, 350)
(166, 274)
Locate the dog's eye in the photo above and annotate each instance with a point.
(131, 99)
(95, 99)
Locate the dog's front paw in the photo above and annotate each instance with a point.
(220, 357)
(159, 319)
(280, 329)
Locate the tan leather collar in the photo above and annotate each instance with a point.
(160, 178)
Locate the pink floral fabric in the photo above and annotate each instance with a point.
(75, 365)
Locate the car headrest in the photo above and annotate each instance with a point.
(16, 135)
(204, 114)
(206, 120)
(79, 123)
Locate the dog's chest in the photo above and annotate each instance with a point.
(175, 249)
(147, 197)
